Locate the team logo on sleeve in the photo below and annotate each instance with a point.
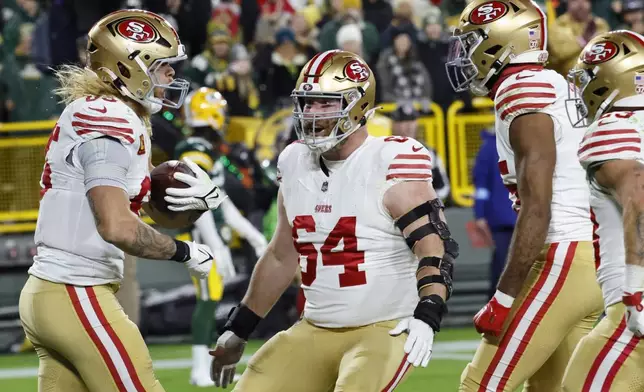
(137, 30)
(488, 12)
(601, 52)
(356, 71)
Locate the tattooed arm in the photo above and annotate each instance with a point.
(532, 140)
(120, 227)
(626, 179)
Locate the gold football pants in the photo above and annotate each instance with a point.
(558, 305)
(609, 359)
(313, 359)
(84, 340)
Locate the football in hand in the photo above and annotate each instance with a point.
(162, 178)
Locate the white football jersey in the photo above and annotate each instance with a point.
(615, 135)
(356, 266)
(70, 249)
(545, 91)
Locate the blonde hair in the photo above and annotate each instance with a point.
(76, 82)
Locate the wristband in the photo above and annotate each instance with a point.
(634, 281)
(430, 310)
(503, 299)
(182, 254)
(242, 321)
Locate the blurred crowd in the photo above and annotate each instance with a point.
(252, 51)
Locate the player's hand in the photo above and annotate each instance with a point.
(200, 261)
(224, 263)
(491, 318)
(202, 195)
(259, 244)
(419, 342)
(634, 312)
(227, 354)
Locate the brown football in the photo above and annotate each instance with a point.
(162, 177)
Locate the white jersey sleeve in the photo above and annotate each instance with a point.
(526, 92)
(614, 136)
(405, 159)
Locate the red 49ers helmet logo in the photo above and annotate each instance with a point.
(600, 52)
(488, 12)
(137, 30)
(357, 72)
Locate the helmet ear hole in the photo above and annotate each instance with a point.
(493, 50)
(123, 70)
(91, 48)
(600, 91)
(626, 49)
(515, 8)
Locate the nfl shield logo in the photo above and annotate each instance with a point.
(325, 186)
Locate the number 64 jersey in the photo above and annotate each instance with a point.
(356, 266)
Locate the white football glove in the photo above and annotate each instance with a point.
(200, 261)
(419, 342)
(634, 312)
(227, 354)
(202, 195)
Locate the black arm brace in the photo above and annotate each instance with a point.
(435, 226)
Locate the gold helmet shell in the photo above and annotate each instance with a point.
(334, 75)
(610, 69)
(206, 107)
(491, 35)
(126, 47)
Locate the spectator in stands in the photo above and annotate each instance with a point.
(405, 124)
(351, 14)
(433, 50)
(274, 14)
(632, 14)
(219, 57)
(279, 70)
(26, 11)
(306, 33)
(403, 20)
(570, 33)
(379, 13)
(28, 96)
(349, 38)
(402, 76)
(493, 212)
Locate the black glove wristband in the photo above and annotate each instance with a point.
(242, 321)
(182, 254)
(430, 310)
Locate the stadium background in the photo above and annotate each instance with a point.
(252, 51)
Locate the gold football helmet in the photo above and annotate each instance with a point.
(205, 107)
(491, 35)
(610, 69)
(126, 48)
(343, 82)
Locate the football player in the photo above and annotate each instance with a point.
(609, 92)
(547, 298)
(94, 182)
(359, 215)
(205, 112)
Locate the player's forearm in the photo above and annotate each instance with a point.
(427, 247)
(634, 231)
(270, 279)
(139, 239)
(527, 242)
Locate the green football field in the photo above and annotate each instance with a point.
(452, 351)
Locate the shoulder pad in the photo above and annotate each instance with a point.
(614, 136)
(406, 159)
(526, 92)
(286, 157)
(93, 117)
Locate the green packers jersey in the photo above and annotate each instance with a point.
(202, 152)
